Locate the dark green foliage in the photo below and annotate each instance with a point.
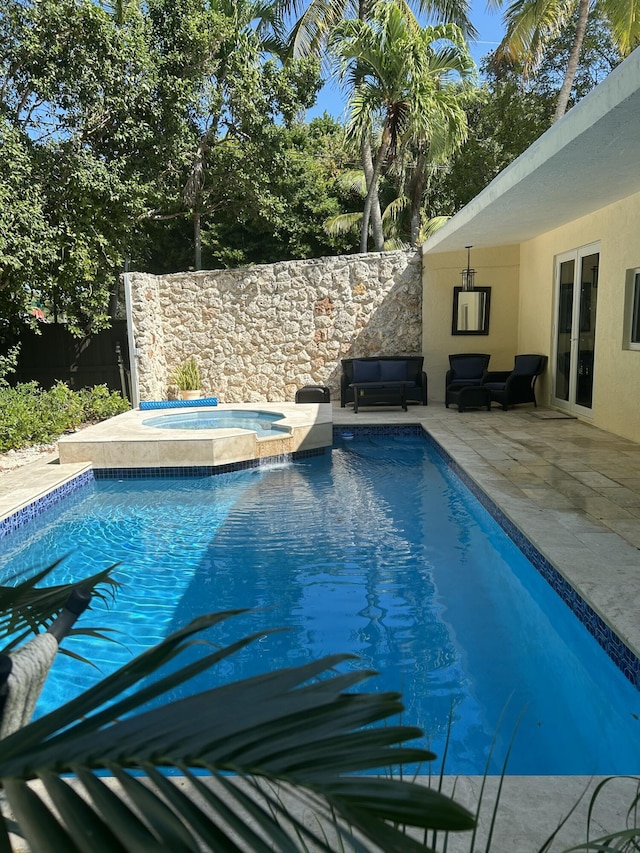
(509, 112)
(29, 415)
(99, 403)
(503, 121)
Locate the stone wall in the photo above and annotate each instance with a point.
(260, 333)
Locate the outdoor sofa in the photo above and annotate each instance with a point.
(383, 380)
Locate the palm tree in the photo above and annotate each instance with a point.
(400, 77)
(318, 18)
(531, 25)
(249, 753)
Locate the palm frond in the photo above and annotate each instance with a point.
(431, 226)
(353, 180)
(342, 223)
(26, 608)
(305, 726)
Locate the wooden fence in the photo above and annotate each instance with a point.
(80, 362)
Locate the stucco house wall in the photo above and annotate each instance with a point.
(497, 268)
(616, 390)
(575, 186)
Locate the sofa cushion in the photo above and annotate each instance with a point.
(366, 371)
(393, 371)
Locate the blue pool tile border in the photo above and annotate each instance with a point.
(616, 648)
(27, 513)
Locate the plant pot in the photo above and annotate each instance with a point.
(191, 395)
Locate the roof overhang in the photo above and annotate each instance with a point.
(587, 160)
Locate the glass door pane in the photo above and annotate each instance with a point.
(587, 329)
(565, 325)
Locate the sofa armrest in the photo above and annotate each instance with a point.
(425, 388)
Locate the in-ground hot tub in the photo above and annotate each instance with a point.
(261, 422)
(201, 435)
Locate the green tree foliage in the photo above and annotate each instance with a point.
(26, 237)
(272, 209)
(117, 120)
(532, 27)
(237, 97)
(71, 112)
(509, 111)
(400, 80)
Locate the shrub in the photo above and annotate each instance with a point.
(98, 403)
(30, 415)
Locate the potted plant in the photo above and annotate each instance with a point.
(187, 378)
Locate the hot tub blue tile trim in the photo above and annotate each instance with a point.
(200, 470)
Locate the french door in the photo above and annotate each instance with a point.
(575, 328)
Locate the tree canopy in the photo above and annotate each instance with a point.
(171, 134)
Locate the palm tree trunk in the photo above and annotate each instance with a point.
(374, 216)
(372, 192)
(574, 58)
(416, 198)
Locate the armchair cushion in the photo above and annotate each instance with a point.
(465, 368)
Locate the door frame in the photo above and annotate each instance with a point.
(575, 255)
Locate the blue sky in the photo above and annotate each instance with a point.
(489, 26)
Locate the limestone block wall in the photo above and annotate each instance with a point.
(260, 333)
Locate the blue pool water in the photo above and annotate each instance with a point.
(375, 549)
(260, 422)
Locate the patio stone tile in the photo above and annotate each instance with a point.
(595, 479)
(549, 497)
(600, 507)
(572, 488)
(629, 528)
(632, 483)
(621, 496)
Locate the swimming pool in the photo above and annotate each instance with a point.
(260, 422)
(376, 549)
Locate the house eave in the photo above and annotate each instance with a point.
(586, 161)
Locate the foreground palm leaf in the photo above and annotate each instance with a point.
(300, 727)
(26, 608)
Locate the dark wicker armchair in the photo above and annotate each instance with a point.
(518, 385)
(465, 368)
